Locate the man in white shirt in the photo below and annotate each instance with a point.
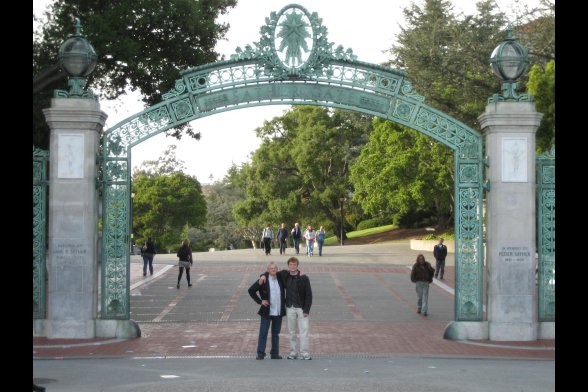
(273, 307)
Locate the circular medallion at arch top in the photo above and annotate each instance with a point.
(294, 36)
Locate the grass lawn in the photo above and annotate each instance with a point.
(359, 233)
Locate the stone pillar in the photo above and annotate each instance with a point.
(511, 219)
(76, 124)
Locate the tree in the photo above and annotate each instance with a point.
(542, 86)
(141, 44)
(165, 165)
(406, 174)
(300, 173)
(164, 205)
(221, 228)
(447, 58)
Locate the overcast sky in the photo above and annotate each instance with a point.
(367, 26)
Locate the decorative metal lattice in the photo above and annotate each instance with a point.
(293, 63)
(40, 184)
(546, 234)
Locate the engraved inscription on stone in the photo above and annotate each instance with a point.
(70, 156)
(70, 254)
(514, 159)
(514, 254)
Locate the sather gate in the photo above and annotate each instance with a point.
(293, 63)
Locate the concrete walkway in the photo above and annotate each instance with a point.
(364, 306)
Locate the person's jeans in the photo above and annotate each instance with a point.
(147, 260)
(309, 246)
(296, 244)
(422, 289)
(264, 326)
(320, 246)
(440, 268)
(282, 246)
(296, 319)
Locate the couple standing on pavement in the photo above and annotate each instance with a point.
(284, 293)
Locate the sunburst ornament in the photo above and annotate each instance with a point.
(293, 39)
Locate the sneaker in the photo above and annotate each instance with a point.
(306, 356)
(292, 355)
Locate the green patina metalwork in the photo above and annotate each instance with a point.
(40, 184)
(309, 72)
(546, 234)
(509, 61)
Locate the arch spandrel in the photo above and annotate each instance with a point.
(312, 72)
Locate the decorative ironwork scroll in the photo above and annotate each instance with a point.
(40, 184)
(546, 234)
(292, 64)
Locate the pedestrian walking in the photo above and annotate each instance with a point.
(185, 256)
(148, 253)
(283, 238)
(267, 236)
(440, 253)
(320, 239)
(296, 235)
(422, 274)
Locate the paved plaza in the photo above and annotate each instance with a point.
(364, 306)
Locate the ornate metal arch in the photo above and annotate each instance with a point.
(293, 63)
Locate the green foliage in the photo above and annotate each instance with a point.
(164, 205)
(141, 44)
(167, 164)
(404, 173)
(300, 173)
(450, 235)
(542, 86)
(373, 222)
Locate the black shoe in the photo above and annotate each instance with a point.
(276, 356)
(260, 356)
(425, 314)
(144, 273)
(178, 286)
(441, 278)
(418, 310)
(37, 388)
(189, 284)
(435, 276)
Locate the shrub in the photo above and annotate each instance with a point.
(373, 222)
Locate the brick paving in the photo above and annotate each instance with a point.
(365, 310)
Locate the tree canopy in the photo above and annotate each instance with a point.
(163, 205)
(141, 45)
(300, 173)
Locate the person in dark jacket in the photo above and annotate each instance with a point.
(283, 238)
(440, 253)
(422, 274)
(298, 303)
(148, 252)
(271, 297)
(296, 235)
(185, 256)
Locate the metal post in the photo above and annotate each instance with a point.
(341, 205)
